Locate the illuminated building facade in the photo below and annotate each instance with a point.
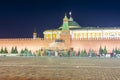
(79, 33)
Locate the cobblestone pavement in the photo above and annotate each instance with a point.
(59, 68)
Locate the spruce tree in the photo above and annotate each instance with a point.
(22, 51)
(116, 50)
(26, 52)
(2, 51)
(105, 50)
(39, 53)
(83, 53)
(5, 51)
(73, 53)
(79, 53)
(100, 50)
(12, 50)
(30, 53)
(113, 50)
(15, 50)
(90, 53)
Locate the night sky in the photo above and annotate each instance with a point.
(19, 18)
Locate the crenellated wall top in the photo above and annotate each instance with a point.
(14, 39)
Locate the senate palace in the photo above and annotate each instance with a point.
(78, 32)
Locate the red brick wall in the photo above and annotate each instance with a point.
(31, 44)
(35, 44)
(95, 44)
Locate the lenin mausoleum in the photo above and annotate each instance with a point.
(69, 35)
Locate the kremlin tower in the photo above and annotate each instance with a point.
(65, 34)
(34, 34)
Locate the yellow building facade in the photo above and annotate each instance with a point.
(52, 34)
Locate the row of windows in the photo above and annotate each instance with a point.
(96, 34)
(49, 36)
(86, 34)
(77, 35)
(112, 33)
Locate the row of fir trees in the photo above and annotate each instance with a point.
(102, 51)
(80, 53)
(14, 50)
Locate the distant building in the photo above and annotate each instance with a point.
(78, 32)
(69, 35)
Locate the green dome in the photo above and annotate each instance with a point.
(73, 24)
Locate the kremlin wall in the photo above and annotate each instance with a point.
(69, 35)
